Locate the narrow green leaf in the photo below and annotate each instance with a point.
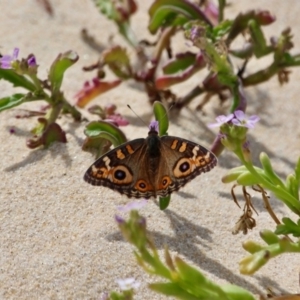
(179, 63)
(247, 179)
(118, 61)
(16, 79)
(172, 289)
(12, 101)
(288, 227)
(297, 170)
(97, 128)
(236, 293)
(269, 237)
(173, 13)
(272, 176)
(161, 115)
(58, 68)
(221, 29)
(198, 284)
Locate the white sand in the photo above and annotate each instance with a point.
(58, 238)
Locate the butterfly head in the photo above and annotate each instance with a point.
(153, 127)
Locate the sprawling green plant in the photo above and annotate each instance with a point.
(23, 73)
(206, 26)
(212, 48)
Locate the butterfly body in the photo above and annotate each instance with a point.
(155, 166)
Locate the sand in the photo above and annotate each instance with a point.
(58, 237)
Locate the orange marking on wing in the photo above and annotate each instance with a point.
(182, 147)
(164, 183)
(120, 154)
(129, 149)
(174, 144)
(142, 186)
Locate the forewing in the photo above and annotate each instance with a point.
(115, 168)
(184, 160)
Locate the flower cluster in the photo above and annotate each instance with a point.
(11, 61)
(233, 131)
(238, 118)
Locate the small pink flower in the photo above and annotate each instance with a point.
(128, 283)
(7, 60)
(221, 120)
(241, 120)
(31, 61)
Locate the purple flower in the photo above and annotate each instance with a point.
(134, 205)
(196, 33)
(241, 120)
(31, 61)
(7, 60)
(119, 220)
(221, 120)
(128, 283)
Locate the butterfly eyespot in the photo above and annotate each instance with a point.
(121, 175)
(165, 182)
(182, 168)
(143, 186)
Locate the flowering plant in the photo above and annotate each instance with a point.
(211, 47)
(23, 73)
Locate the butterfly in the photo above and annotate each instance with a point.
(151, 167)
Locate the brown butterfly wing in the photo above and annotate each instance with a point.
(124, 169)
(181, 161)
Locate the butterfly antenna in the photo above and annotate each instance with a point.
(137, 115)
(160, 118)
(167, 112)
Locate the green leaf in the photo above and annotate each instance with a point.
(247, 179)
(181, 62)
(161, 116)
(221, 29)
(172, 289)
(12, 101)
(236, 293)
(58, 68)
(107, 8)
(272, 176)
(118, 61)
(173, 13)
(16, 79)
(106, 130)
(197, 283)
(164, 202)
(269, 237)
(165, 81)
(297, 170)
(288, 227)
(97, 145)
